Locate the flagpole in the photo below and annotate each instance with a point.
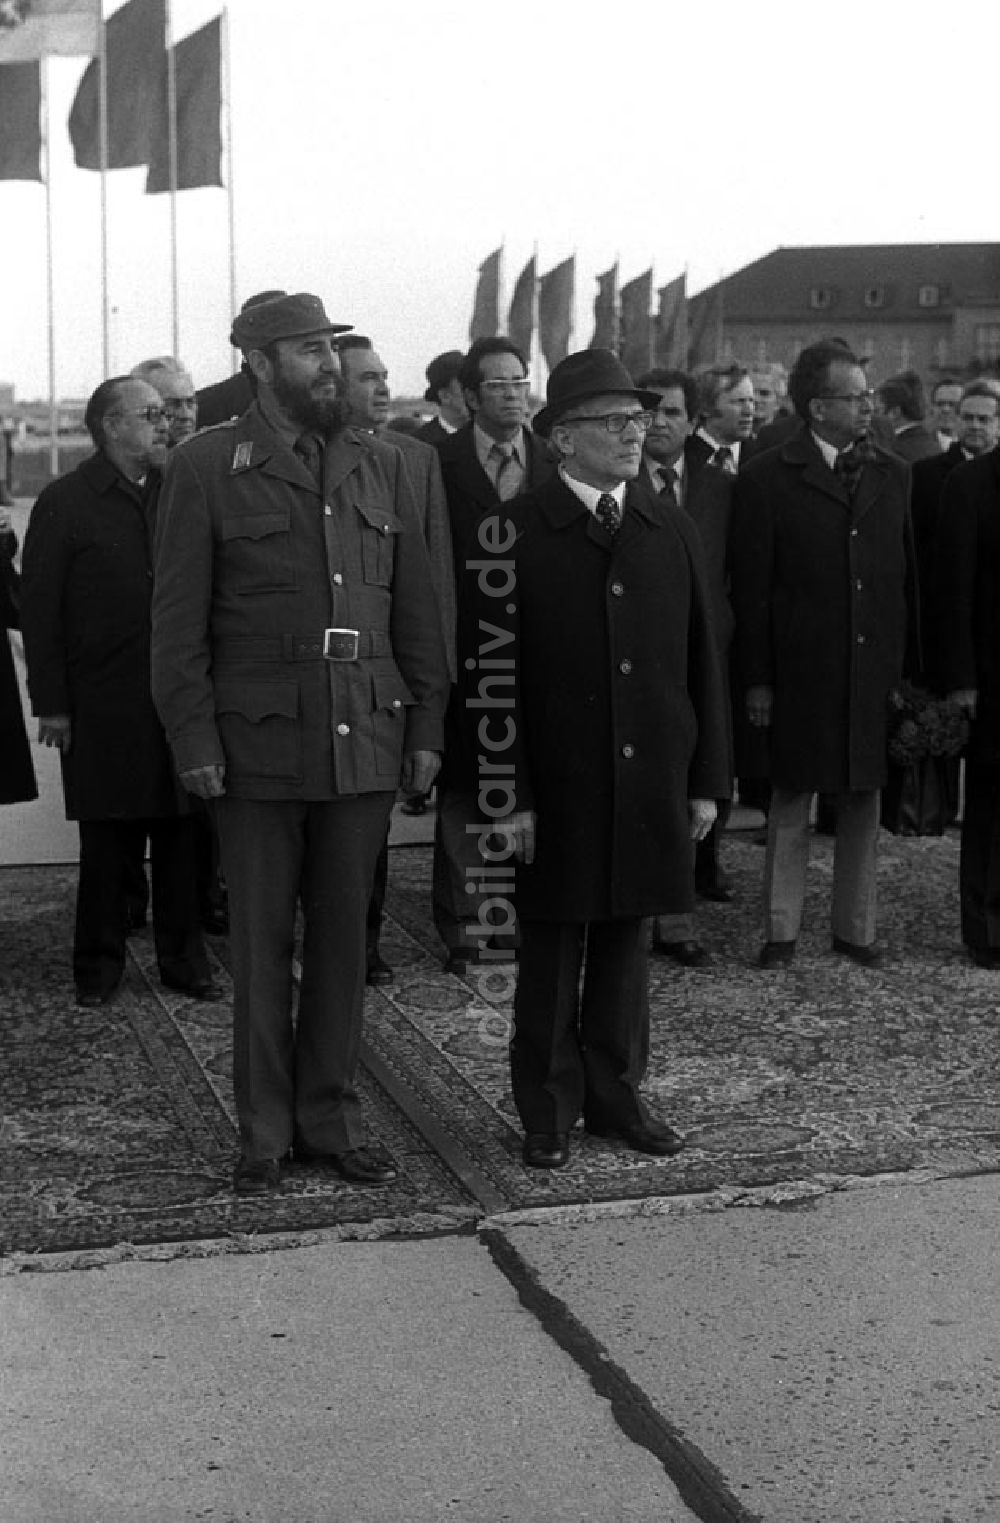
(175, 346)
(228, 118)
(102, 138)
(49, 282)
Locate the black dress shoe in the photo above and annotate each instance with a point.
(690, 954)
(379, 972)
(985, 957)
(362, 1166)
(199, 988)
(546, 1150)
(257, 1176)
(645, 1136)
(89, 999)
(417, 804)
(775, 954)
(868, 957)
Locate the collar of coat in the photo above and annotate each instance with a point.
(560, 508)
(460, 463)
(103, 476)
(257, 447)
(802, 453)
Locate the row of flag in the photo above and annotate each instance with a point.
(138, 68)
(675, 332)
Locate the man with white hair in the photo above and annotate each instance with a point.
(169, 377)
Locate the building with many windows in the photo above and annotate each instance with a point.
(930, 307)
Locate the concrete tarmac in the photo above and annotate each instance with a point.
(790, 1356)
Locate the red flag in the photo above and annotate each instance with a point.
(521, 316)
(636, 342)
(606, 311)
(671, 325)
(198, 92)
(705, 347)
(135, 55)
(555, 310)
(486, 304)
(20, 130)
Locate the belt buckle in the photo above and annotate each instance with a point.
(340, 644)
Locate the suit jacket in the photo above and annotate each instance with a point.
(915, 441)
(824, 593)
(424, 471)
(616, 701)
(968, 552)
(433, 433)
(253, 564)
(472, 500)
(86, 582)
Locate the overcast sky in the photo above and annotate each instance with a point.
(382, 151)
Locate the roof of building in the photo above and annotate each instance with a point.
(898, 280)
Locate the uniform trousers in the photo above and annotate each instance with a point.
(854, 865)
(580, 1048)
(979, 863)
(108, 851)
(294, 1081)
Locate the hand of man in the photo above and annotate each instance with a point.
(420, 768)
(760, 701)
(701, 815)
(966, 699)
(205, 782)
(519, 829)
(56, 730)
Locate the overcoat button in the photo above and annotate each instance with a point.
(343, 729)
(628, 752)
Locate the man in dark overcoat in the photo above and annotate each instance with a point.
(444, 389)
(611, 757)
(823, 589)
(17, 771)
(489, 461)
(300, 671)
(87, 574)
(969, 624)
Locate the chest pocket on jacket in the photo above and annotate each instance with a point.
(379, 529)
(257, 549)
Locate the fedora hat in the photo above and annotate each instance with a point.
(284, 316)
(442, 369)
(589, 373)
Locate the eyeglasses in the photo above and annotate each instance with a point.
(855, 397)
(616, 422)
(152, 413)
(519, 386)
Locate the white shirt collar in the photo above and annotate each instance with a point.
(717, 444)
(827, 450)
(589, 495)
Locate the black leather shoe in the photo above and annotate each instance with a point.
(89, 999)
(379, 972)
(546, 1150)
(200, 988)
(985, 957)
(417, 804)
(719, 892)
(868, 957)
(458, 963)
(775, 954)
(362, 1166)
(645, 1137)
(690, 954)
(257, 1176)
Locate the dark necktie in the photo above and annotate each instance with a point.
(608, 514)
(505, 479)
(309, 451)
(851, 462)
(670, 484)
(723, 460)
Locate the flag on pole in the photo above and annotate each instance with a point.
(136, 62)
(198, 91)
(521, 316)
(32, 29)
(705, 327)
(486, 304)
(636, 343)
(555, 310)
(606, 311)
(672, 324)
(20, 121)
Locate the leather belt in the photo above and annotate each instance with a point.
(329, 645)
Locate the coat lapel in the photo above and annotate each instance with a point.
(801, 452)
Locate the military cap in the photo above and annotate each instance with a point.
(282, 317)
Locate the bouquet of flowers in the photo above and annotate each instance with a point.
(921, 725)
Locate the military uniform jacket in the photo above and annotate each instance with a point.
(599, 700)
(254, 563)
